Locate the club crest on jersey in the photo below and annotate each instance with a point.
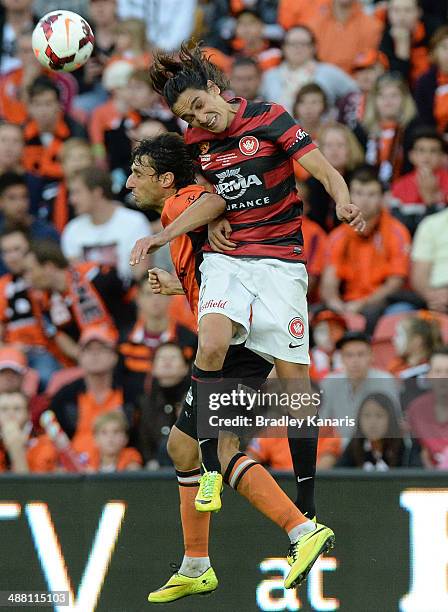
(296, 328)
(233, 185)
(249, 145)
(204, 147)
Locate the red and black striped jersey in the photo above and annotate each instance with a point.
(251, 166)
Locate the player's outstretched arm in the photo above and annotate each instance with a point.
(206, 208)
(319, 167)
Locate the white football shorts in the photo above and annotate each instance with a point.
(266, 298)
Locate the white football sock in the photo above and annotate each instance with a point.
(300, 530)
(194, 566)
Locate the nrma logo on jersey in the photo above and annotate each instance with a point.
(428, 567)
(233, 185)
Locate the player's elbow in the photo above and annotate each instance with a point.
(218, 207)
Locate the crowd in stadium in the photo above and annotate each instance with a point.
(83, 335)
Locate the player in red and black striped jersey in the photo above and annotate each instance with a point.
(246, 151)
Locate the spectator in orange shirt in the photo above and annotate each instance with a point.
(366, 272)
(343, 30)
(405, 40)
(73, 297)
(47, 129)
(111, 453)
(249, 40)
(21, 450)
(423, 191)
(298, 12)
(99, 391)
(222, 16)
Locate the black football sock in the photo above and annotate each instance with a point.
(202, 384)
(304, 454)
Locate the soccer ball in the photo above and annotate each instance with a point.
(62, 40)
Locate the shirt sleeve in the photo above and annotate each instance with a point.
(289, 136)
(334, 254)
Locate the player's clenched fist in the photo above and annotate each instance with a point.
(349, 213)
(163, 282)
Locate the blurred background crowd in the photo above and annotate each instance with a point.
(81, 333)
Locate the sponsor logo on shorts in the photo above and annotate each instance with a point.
(249, 145)
(213, 304)
(296, 328)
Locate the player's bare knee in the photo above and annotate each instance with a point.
(212, 350)
(184, 454)
(228, 446)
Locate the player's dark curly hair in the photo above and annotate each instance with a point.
(173, 74)
(166, 153)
